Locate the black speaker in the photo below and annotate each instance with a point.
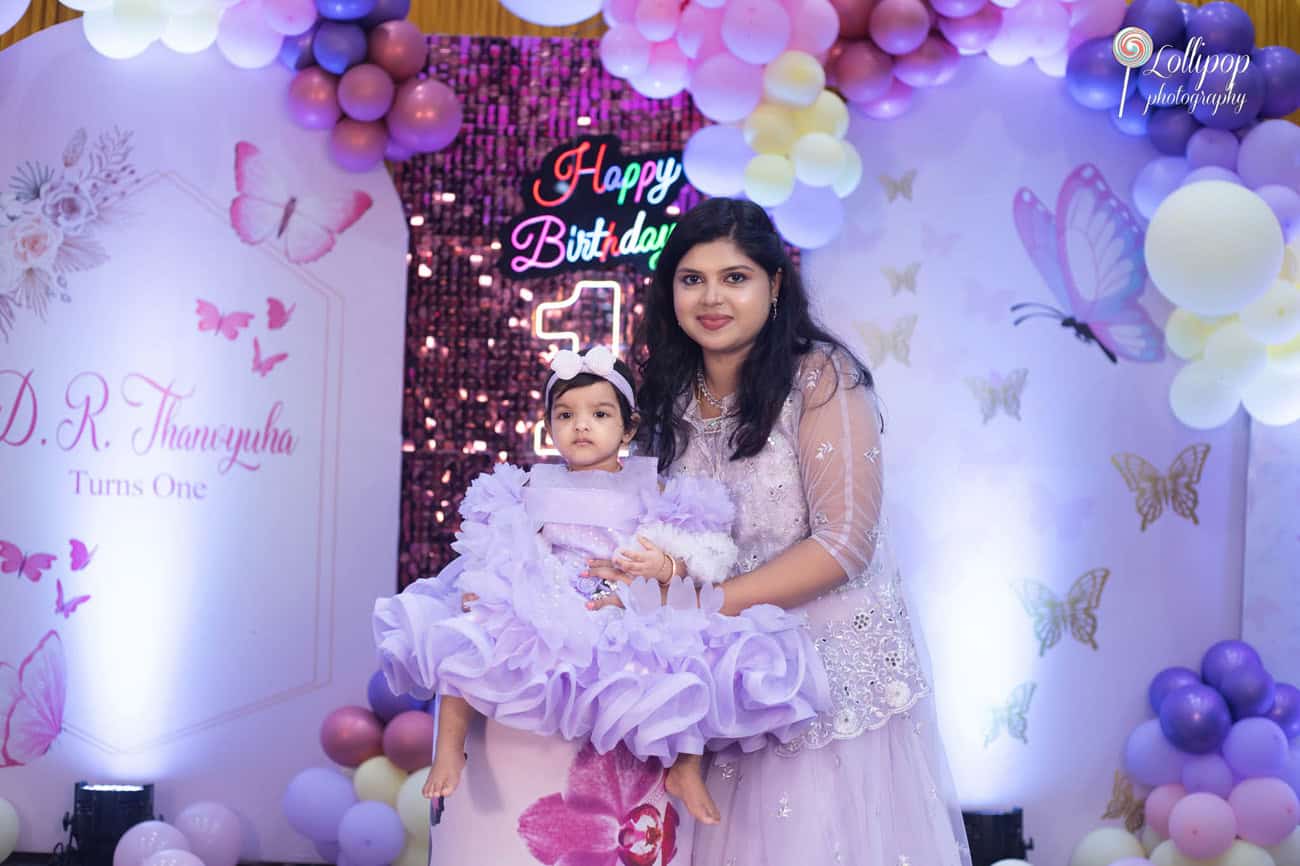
(101, 814)
(995, 836)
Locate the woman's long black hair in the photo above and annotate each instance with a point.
(767, 375)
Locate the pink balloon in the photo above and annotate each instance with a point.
(351, 735)
(900, 26)
(855, 17)
(972, 34)
(657, 19)
(394, 152)
(289, 17)
(1043, 26)
(1202, 826)
(957, 8)
(931, 65)
(726, 89)
(1090, 19)
(146, 839)
(667, 73)
(814, 26)
(895, 102)
(1267, 810)
(244, 37)
(624, 51)
(408, 740)
(700, 28)
(213, 831)
(366, 92)
(756, 31)
(399, 48)
(313, 98)
(1160, 802)
(425, 116)
(863, 72)
(358, 146)
(618, 12)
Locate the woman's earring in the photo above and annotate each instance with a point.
(774, 309)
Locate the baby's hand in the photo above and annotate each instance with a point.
(652, 562)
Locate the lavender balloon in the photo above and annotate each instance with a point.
(1286, 697)
(339, 45)
(1230, 95)
(1212, 147)
(386, 10)
(1161, 77)
(1249, 691)
(1195, 718)
(316, 800)
(1170, 130)
(1167, 681)
(1149, 758)
(296, 52)
(1270, 153)
(1281, 68)
(1256, 747)
(1224, 27)
(1208, 773)
(1160, 18)
(1227, 655)
(1132, 123)
(371, 834)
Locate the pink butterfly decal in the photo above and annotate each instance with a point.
(67, 607)
(986, 303)
(1090, 256)
(265, 365)
(210, 319)
(276, 315)
(31, 702)
(265, 209)
(30, 566)
(80, 556)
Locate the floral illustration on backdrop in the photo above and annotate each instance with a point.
(50, 216)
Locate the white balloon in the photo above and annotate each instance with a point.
(1104, 846)
(412, 808)
(115, 36)
(1274, 317)
(714, 160)
(1245, 854)
(190, 34)
(1012, 863)
(1273, 397)
(1200, 398)
(851, 175)
(553, 13)
(1285, 357)
(1186, 333)
(172, 857)
(1213, 247)
(87, 5)
(11, 11)
(1285, 853)
(1150, 839)
(1235, 354)
(416, 852)
(1166, 854)
(8, 828)
(244, 37)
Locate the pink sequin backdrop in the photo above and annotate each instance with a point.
(473, 365)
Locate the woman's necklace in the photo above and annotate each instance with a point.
(706, 394)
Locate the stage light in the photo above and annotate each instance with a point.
(100, 815)
(995, 836)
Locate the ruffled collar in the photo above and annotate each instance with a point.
(637, 473)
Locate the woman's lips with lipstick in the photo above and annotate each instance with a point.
(713, 323)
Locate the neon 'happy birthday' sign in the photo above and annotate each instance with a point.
(589, 205)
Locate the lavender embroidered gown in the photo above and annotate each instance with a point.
(868, 783)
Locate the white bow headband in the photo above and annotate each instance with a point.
(599, 361)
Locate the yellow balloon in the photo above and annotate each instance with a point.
(1168, 855)
(1150, 839)
(769, 179)
(770, 129)
(1104, 846)
(851, 174)
(1286, 356)
(379, 779)
(1274, 317)
(1186, 333)
(412, 807)
(1245, 854)
(795, 78)
(8, 828)
(1235, 354)
(818, 159)
(416, 852)
(828, 114)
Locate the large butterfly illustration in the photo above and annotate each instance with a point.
(1125, 803)
(1012, 715)
(1052, 616)
(267, 210)
(1178, 487)
(881, 344)
(31, 701)
(29, 565)
(994, 392)
(1090, 255)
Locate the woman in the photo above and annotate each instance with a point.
(741, 385)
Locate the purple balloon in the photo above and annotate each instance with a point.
(1170, 130)
(382, 700)
(1149, 758)
(1256, 747)
(1291, 768)
(1211, 172)
(1225, 656)
(1281, 68)
(329, 851)
(386, 10)
(339, 46)
(1208, 773)
(1270, 153)
(1156, 180)
(1230, 97)
(1225, 27)
(1212, 147)
(1286, 697)
(1093, 77)
(1166, 681)
(1163, 19)
(296, 52)
(316, 801)
(1248, 691)
(1195, 718)
(1132, 123)
(345, 10)
(1161, 77)
(371, 834)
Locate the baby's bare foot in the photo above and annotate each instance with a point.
(686, 784)
(444, 776)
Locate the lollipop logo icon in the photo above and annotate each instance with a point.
(1132, 48)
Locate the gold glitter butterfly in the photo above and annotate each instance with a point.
(1078, 612)
(993, 392)
(1153, 490)
(1013, 715)
(1125, 803)
(881, 344)
(902, 186)
(904, 279)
